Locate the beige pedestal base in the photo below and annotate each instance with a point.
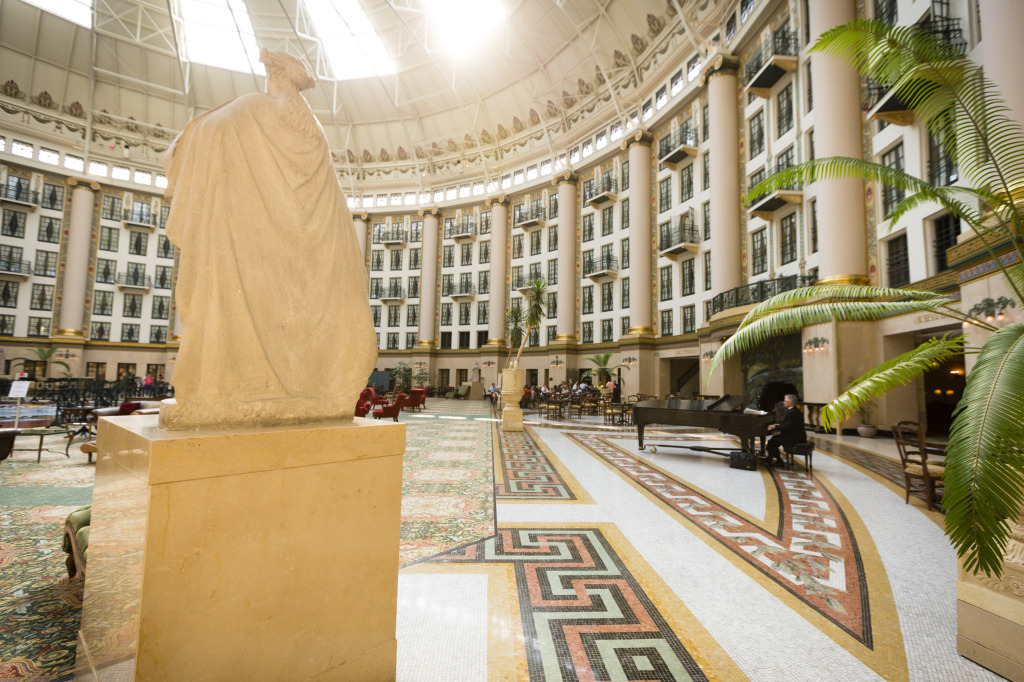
(511, 418)
(243, 555)
(990, 622)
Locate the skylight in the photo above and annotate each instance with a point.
(219, 33)
(78, 11)
(352, 45)
(463, 24)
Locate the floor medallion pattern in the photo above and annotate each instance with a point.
(527, 471)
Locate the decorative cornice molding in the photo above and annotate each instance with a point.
(500, 200)
(720, 64)
(640, 137)
(85, 184)
(566, 178)
(433, 211)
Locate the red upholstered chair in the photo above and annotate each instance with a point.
(417, 398)
(363, 404)
(376, 399)
(391, 410)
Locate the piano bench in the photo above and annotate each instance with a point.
(805, 450)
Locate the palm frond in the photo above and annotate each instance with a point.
(782, 322)
(984, 477)
(898, 371)
(832, 167)
(832, 292)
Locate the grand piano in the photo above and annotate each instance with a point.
(725, 415)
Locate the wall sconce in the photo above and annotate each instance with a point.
(707, 355)
(66, 355)
(817, 343)
(992, 309)
(556, 362)
(489, 363)
(419, 364)
(629, 361)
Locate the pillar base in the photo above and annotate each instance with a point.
(512, 418)
(427, 345)
(858, 280)
(243, 554)
(990, 614)
(71, 333)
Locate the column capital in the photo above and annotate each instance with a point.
(846, 280)
(720, 64)
(84, 184)
(639, 137)
(566, 178)
(500, 200)
(432, 211)
(361, 216)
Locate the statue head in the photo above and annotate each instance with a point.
(285, 72)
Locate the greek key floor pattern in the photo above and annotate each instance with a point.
(584, 616)
(526, 472)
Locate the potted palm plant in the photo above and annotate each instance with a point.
(519, 322)
(603, 370)
(948, 93)
(42, 355)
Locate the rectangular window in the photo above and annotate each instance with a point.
(552, 333)
(132, 305)
(588, 227)
(53, 197)
(607, 331)
(46, 264)
(447, 284)
(787, 239)
(375, 312)
(414, 259)
(397, 256)
(706, 208)
(96, 370)
(163, 279)
(947, 229)
(588, 300)
(466, 255)
(446, 314)
(891, 196)
(624, 251)
(898, 261)
(705, 122)
(464, 313)
(607, 297)
(706, 171)
(392, 340)
(814, 226)
(553, 238)
(666, 323)
(158, 333)
(42, 297)
(624, 326)
(394, 316)
(161, 308)
(588, 332)
(686, 183)
(607, 220)
(111, 209)
(484, 282)
(481, 312)
(757, 134)
(536, 242)
(49, 230)
(485, 222)
(624, 294)
(553, 206)
(665, 283)
(416, 231)
(759, 252)
(412, 315)
(376, 287)
(517, 246)
(689, 319)
(625, 176)
(485, 252)
(414, 287)
(377, 260)
(14, 223)
(103, 303)
(137, 243)
(688, 277)
(165, 212)
(588, 262)
(665, 194)
(164, 247)
(448, 256)
(130, 333)
(99, 331)
(11, 259)
(410, 340)
(784, 109)
(552, 306)
(707, 271)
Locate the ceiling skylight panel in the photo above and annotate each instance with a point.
(219, 33)
(78, 11)
(464, 24)
(352, 45)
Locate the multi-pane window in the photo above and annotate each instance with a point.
(464, 313)
(485, 253)
(163, 277)
(588, 300)
(484, 282)
(103, 303)
(607, 297)
(624, 326)
(624, 293)
(552, 333)
(787, 239)
(664, 194)
(136, 274)
(607, 220)
(814, 226)
(49, 229)
(414, 287)
(759, 252)
(552, 306)
(665, 283)
(687, 278)
(607, 331)
(588, 332)
(132, 305)
(705, 122)
(947, 229)
(375, 312)
(397, 256)
(108, 239)
(412, 315)
(707, 271)
(624, 211)
(892, 195)
(96, 370)
(534, 272)
(394, 316)
(53, 197)
(158, 333)
(392, 341)
(898, 261)
(706, 170)
(130, 333)
(666, 323)
(376, 287)
(410, 340)
(588, 227)
(517, 275)
(686, 183)
(706, 209)
(448, 256)
(161, 307)
(624, 252)
(377, 260)
(46, 264)
(588, 261)
(553, 271)
(784, 109)
(517, 246)
(39, 326)
(414, 259)
(689, 319)
(164, 247)
(447, 284)
(553, 238)
(42, 297)
(756, 134)
(481, 312)
(111, 209)
(625, 176)
(165, 212)
(10, 258)
(466, 257)
(377, 233)
(446, 314)
(534, 338)
(535, 242)
(99, 331)
(416, 231)
(137, 243)
(485, 222)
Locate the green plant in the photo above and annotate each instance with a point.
(421, 376)
(401, 376)
(532, 313)
(514, 329)
(949, 94)
(42, 355)
(603, 370)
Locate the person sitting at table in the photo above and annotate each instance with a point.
(790, 431)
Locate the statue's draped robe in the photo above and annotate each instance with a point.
(271, 284)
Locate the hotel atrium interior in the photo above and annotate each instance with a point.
(602, 152)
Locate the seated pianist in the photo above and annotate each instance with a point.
(790, 431)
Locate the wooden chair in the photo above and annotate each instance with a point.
(913, 449)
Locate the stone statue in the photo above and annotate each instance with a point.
(271, 286)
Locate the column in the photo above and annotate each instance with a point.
(639, 146)
(361, 221)
(837, 132)
(1004, 51)
(76, 266)
(428, 275)
(567, 240)
(723, 107)
(499, 270)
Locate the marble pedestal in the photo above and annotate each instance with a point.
(243, 555)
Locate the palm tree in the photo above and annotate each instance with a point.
(602, 361)
(532, 312)
(514, 329)
(984, 477)
(42, 355)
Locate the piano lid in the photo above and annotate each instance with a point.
(727, 403)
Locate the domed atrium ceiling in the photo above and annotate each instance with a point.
(410, 91)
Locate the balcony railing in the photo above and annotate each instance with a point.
(16, 267)
(601, 190)
(461, 290)
(21, 194)
(464, 229)
(533, 216)
(523, 282)
(679, 237)
(393, 294)
(136, 217)
(772, 61)
(676, 146)
(598, 267)
(396, 236)
(131, 279)
(788, 194)
(758, 292)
